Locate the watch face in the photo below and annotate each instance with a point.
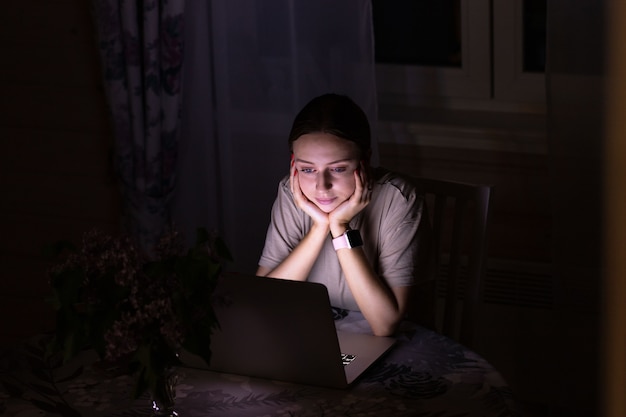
(354, 238)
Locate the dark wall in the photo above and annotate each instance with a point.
(576, 54)
(55, 144)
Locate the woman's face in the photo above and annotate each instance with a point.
(326, 165)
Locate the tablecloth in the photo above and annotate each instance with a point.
(425, 374)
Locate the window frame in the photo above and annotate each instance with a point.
(491, 75)
(511, 82)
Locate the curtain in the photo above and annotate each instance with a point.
(205, 144)
(250, 66)
(141, 49)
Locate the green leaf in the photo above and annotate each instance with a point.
(222, 250)
(54, 250)
(67, 286)
(142, 384)
(202, 236)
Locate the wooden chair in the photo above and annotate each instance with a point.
(456, 257)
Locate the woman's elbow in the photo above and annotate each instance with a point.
(386, 329)
(384, 333)
(263, 271)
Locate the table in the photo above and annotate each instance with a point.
(426, 374)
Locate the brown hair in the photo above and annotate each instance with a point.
(337, 115)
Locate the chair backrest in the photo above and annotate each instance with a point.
(458, 214)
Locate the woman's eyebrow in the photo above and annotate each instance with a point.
(329, 163)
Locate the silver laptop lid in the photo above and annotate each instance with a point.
(276, 329)
(284, 330)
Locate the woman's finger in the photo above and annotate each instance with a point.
(361, 192)
(295, 185)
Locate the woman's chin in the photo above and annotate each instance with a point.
(326, 208)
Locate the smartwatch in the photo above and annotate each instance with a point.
(350, 239)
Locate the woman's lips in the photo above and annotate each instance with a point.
(325, 201)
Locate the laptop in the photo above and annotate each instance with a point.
(284, 330)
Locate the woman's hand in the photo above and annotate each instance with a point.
(336, 221)
(341, 216)
(319, 217)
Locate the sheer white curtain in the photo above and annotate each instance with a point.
(250, 65)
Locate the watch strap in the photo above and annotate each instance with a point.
(350, 239)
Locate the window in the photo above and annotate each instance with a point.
(519, 50)
(486, 50)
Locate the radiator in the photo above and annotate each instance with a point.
(510, 282)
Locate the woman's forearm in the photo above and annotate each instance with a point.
(382, 306)
(298, 264)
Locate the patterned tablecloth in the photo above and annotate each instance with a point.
(425, 374)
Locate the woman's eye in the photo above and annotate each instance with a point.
(338, 170)
(306, 170)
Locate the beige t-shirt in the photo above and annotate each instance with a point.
(388, 226)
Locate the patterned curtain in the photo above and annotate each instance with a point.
(141, 48)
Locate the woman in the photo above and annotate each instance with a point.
(337, 223)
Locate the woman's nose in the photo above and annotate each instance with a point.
(323, 181)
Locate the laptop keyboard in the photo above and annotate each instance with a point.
(347, 358)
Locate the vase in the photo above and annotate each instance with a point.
(164, 395)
